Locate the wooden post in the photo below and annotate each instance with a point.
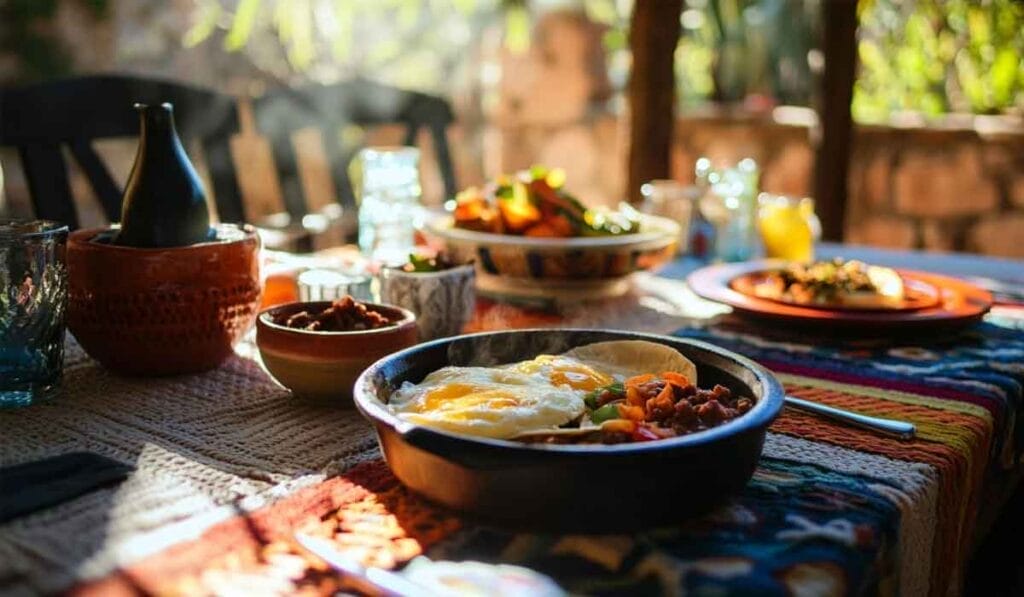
(832, 161)
(653, 35)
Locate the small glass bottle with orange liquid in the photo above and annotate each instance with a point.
(788, 226)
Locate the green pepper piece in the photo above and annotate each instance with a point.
(606, 413)
(591, 398)
(422, 264)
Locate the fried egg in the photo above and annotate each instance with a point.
(531, 396)
(500, 402)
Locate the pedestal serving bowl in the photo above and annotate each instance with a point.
(568, 268)
(166, 311)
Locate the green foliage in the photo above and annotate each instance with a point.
(730, 49)
(414, 42)
(939, 56)
(928, 56)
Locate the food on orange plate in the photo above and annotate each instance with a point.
(837, 282)
(591, 394)
(535, 203)
(344, 315)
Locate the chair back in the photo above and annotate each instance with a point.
(39, 119)
(281, 112)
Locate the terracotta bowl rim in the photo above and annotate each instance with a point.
(83, 238)
(263, 319)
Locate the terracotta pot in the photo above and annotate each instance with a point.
(323, 366)
(167, 311)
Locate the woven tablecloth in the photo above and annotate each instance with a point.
(229, 465)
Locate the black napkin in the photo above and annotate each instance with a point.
(33, 486)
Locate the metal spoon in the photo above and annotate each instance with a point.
(890, 427)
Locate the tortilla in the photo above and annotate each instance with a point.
(623, 359)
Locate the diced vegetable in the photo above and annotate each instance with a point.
(603, 395)
(605, 413)
(535, 203)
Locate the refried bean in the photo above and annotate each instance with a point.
(344, 315)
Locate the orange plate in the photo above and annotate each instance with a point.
(917, 294)
(958, 304)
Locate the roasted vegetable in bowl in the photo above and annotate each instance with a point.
(535, 203)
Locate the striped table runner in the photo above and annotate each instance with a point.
(831, 509)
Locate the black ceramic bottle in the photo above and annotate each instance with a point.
(164, 203)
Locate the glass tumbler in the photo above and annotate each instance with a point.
(673, 200)
(729, 202)
(331, 285)
(389, 203)
(33, 301)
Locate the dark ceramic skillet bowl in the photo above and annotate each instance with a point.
(593, 488)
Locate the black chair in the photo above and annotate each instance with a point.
(281, 112)
(39, 119)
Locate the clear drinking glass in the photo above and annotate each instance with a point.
(33, 300)
(729, 202)
(673, 200)
(330, 285)
(389, 203)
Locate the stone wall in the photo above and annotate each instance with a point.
(955, 189)
(943, 188)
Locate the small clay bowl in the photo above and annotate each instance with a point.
(152, 312)
(323, 366)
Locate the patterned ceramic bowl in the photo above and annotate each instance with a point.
(442, 301)
(580, 267)
(322, 366)
(162, 311)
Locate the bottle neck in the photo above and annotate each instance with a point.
(156, 122)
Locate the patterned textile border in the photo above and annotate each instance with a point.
(831, 509)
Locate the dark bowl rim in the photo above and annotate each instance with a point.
(766, 408)
(263, 319)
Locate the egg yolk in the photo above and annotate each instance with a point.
(566, 372)
(462, 396)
